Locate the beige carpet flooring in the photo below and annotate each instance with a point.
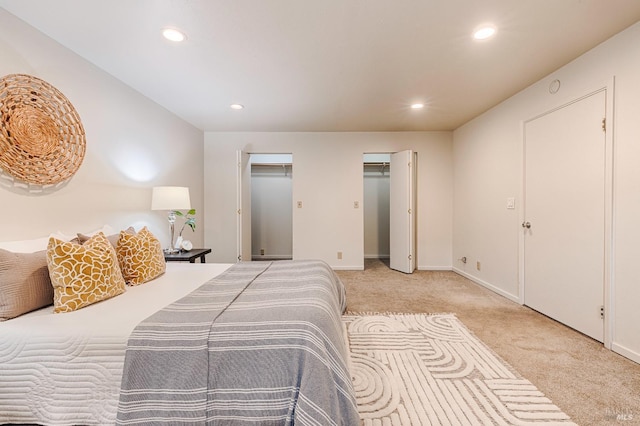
(593, 385)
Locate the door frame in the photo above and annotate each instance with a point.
(413, 198)
(609, 285)
(244, 190)
(384, 164)
(285, 159)
(243, 206)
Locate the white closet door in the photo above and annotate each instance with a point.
(402, 212)
(244, 206)
(564, 225)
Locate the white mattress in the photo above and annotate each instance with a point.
(63, 369)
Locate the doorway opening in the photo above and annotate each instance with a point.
(271, 206)
(389, 210)
(376, 208)
(264, 206)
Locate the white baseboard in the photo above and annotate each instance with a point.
(491, 287)
(419, 267)
(626, 352)
(434, 268)
(347, 268)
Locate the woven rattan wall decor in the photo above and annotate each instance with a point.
(42, 140)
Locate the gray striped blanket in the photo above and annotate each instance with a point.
(260, 344)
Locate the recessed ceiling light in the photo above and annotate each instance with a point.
(237, 106)
(173, 35)
(417, 106)
(484, 32)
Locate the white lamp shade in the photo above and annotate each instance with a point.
(170, 198)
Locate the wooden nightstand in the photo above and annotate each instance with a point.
(191, 255)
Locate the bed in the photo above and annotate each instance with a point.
(249, 343)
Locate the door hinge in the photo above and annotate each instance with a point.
(602, 312)
(409, 257)
(239, 211)
(604, 124)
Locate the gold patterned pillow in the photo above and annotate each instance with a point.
(140, 256)
(83, 274)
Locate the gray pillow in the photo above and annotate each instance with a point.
(24, 283)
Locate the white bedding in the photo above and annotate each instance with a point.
(66, 368)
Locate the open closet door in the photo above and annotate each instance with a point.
(402, 245)
(244, 206)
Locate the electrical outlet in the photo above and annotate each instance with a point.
(261, 252)
(339, 255)
(478, 265)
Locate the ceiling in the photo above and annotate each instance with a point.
(328, 65)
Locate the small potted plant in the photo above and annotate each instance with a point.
(190, 221)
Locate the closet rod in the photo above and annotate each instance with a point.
(382, 165)
(285, 166)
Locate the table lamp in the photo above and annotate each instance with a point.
(170, 198)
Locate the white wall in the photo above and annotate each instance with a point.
(328, 178)
(488, 156)
(132, 144)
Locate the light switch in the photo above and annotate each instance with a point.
(511, 203)
(299, 204)
(356, 205)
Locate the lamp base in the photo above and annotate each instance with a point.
(172, 248)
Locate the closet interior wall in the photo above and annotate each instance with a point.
(271, 211)
(376, 209)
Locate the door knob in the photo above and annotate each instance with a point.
(526, 225)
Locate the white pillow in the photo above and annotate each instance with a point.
(106, 230)
(59, 235)
(37, 244)
(25, 246)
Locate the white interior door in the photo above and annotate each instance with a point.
(564, 220)
(244, 206)
(402, 244)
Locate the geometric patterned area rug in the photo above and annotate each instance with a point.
(418, 369)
